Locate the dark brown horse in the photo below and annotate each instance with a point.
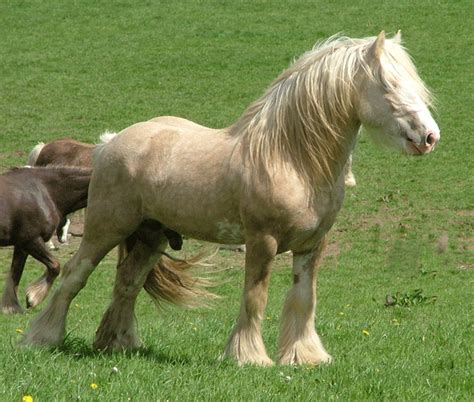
(64, 152)
(33, 203)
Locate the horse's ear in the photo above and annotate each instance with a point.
(376, 49)
(398, 37)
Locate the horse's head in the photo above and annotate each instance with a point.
(394, 101)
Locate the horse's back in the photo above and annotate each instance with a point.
(67, 152)
(184, 124)
(165, 139)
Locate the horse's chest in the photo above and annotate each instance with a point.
(313, 222)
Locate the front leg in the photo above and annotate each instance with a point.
(9, 303)
(349, 178)
(246, 342)
(299, 343)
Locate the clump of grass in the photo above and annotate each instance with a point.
(409, 299)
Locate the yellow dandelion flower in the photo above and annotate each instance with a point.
(27, 398)
(94, 385)
(366, 332)
(19, 331)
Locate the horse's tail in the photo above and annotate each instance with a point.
(106, 137)
(33, 156)
(171, 281)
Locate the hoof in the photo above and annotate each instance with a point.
(12, 309)
(263, 361)
(301, 357)
(246, 347)
(37, 292)
(350, 181)
(113, 344)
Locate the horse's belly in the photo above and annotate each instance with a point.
(222, 231)
(229, 233)
(217, 222)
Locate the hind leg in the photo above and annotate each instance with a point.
(37, 291)
(103, 231)
(246, 342)
(118, 328)
(299, 343)
(49, 326)
(9, 303)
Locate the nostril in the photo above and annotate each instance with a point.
(431, 139)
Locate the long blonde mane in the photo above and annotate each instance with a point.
(303, 116)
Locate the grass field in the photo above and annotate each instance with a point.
(78, 68)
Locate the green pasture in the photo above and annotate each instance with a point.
(78, 68)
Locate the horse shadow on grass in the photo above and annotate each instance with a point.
(78, 348)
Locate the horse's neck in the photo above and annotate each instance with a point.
(350, 130)
(334, 162)
(69, 194)
(292, 124)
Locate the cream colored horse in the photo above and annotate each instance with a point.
(274, 181)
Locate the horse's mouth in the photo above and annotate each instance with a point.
(412, 148)
(421, 144)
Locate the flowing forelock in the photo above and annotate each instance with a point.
(401, 69)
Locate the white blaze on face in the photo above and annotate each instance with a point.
(424, 117)
(416, 120)
(418, 109)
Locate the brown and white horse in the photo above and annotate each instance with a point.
(273, 180)
(33, 204)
